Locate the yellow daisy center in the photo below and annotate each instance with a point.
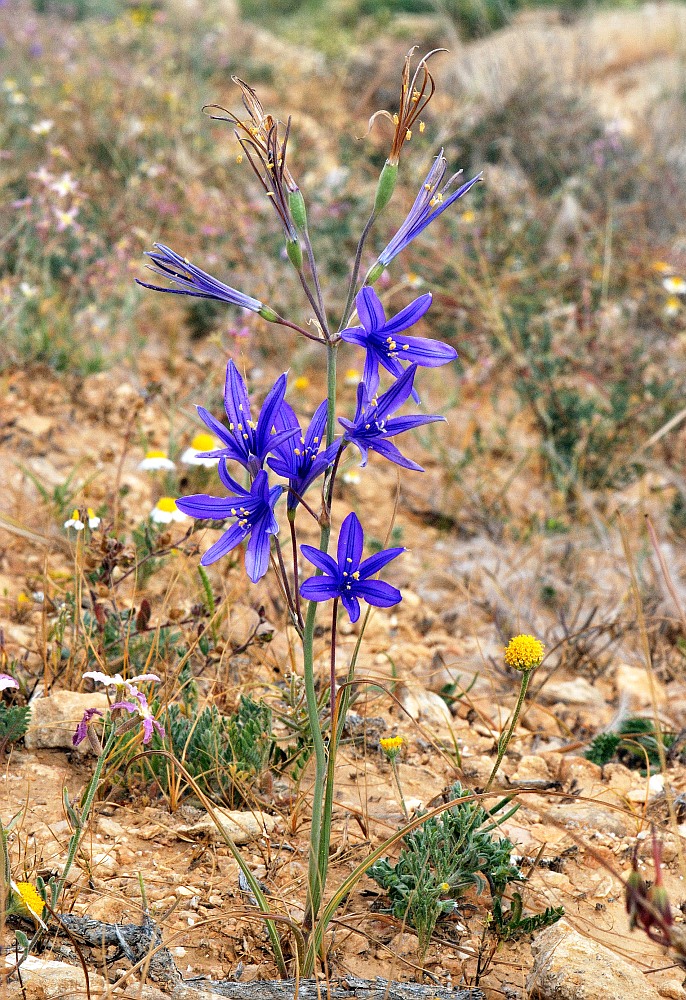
(203, 442)
(524, 652)
(30, 897)
(155, 453)
(301, 383)
(166, 504)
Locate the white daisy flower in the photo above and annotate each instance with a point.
(199, 444)
(156, 459)
(674, 285)
(75, 521)
(93, 519)
(165, 511)
(352, 477)
(42, 127)
(672, 307)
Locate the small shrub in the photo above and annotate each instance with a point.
(224, 754)
(440, 861)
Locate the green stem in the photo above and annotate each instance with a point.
(504, 741)
(331, 358)
(86, 806)
(394, 769)
(322, 796)
(356, 270)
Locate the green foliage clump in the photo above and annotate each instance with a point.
(440, 861)
(511, 924)
(224, 754)
(636, 744)
(14, 721)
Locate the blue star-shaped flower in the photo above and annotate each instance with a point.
(348, 578)
(371, 427)
(433, 199)
(254, 509)
(245, 441)
(380, 339)
(192, 281)
(298, 459)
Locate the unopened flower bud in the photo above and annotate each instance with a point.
(296, 206)
(385, 187)
(268, 314)
(374, 273)
(295, 254)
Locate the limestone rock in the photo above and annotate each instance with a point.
(576, 692)
(568, 966)
(424, 706)
(242, 827)
(44, 980)
(635, 682)
(54, 719)
(591, 817)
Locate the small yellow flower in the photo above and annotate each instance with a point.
(301, 383)
(29, 902)
(444, 887)
(524, 652)
(661, 267)
(391, 745)
(469, 216)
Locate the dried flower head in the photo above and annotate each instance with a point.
(266, 152)
(416, 90)
(524, 652)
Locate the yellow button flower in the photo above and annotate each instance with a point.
(524, 652)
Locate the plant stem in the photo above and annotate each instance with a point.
(331, 358)
(504, 740)
(296, 574)
(88, 800)
(394, 769)
(332, 680)
(321, 809)
(356, 271)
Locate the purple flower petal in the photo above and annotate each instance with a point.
(379, 593)
(374, 563)
(82, 728)
(322, 560)
(350, 543)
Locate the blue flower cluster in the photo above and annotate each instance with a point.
(300, 456)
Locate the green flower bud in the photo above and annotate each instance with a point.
(295, 254)
(296, 206)
(386, 186)
(266, 313)
(374, 273)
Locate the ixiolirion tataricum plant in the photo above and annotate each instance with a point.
(272, 442)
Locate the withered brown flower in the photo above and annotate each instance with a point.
(416, 90)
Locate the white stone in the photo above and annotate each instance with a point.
(54, 719)
(241, 827)
(569, 966)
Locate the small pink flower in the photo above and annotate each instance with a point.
(82, 728)
(7, 682)
(141, 708)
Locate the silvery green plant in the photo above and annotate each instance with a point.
(271, 443)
